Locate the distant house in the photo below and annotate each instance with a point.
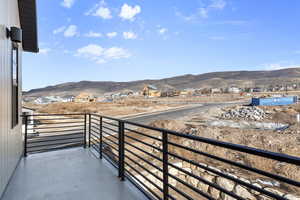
(215, 90)
(234, 89)
(84, 97)
(187, 92)
(151, 91)
(169, 93)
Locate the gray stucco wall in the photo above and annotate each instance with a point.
(10, 139)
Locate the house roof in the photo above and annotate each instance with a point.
(28, 20)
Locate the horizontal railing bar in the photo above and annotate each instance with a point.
(143, 159)
(95, 131)
(42, 141)
(228, 177)
(94, 143)
(113, 130)
(106, 117)
(95, 136)
(116, 156)
(180, 192)
(49, 119)
(110, 140)
(38, 124)
(105, 132)
(92, 118)
(207, 182)
(95, 124)
(145, 143)
(59, 143)
(255, 170)
(144, 168)
(114, 163)
(143, 134)
(110, 124)
(55, 127)
(157, 158)
(55, 148)
(51, 136)
(95, 127)
(95, 148)
(142, 175)
(192, 187)
(110, 146)
(143, 184)
(62, 131)
(67, 114)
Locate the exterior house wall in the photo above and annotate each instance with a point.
(11, 144)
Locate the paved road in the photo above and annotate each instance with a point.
(179, 113)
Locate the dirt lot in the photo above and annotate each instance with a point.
(286, 141)
(116, 108)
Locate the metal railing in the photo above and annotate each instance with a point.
(46, 132)
(166, 164)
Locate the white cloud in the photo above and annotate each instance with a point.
(104, 13)
(112, 34)
(44, 50)
(100, 10)
(101, 55)
(203, 11)
(90, 50)
(71, 31)
(59, 30)
(128, 12)
(67, 3)
(218, 4)
(93, 34)
(129, 35)
(162, 31)
(116, 53)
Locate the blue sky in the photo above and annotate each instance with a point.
(124, 40)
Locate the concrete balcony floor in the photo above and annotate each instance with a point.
(73, 174)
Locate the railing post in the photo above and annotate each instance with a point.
(84, 142)
(165, 166)
(121, 151)
(90, 123)
(25, 135)
(100, 137)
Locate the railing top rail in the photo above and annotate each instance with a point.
(40, 115)
(241, 148)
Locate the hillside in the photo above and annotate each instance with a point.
(208, 80)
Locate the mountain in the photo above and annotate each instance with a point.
(207, 80)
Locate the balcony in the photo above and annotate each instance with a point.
(67, 174)
(142, 162)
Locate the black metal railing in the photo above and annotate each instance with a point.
(46, 132)
(166, 164)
